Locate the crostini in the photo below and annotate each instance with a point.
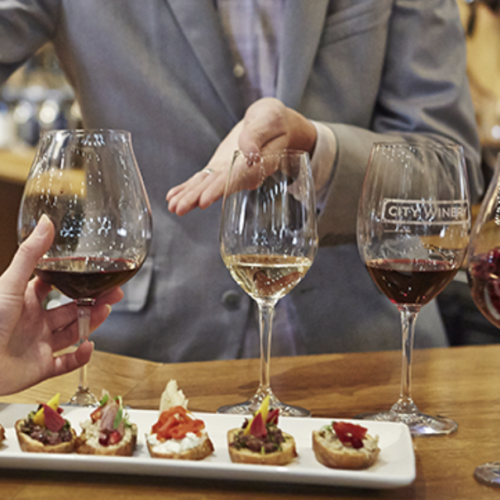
(178, 435)
(261, 441)
(108, 431)
(343, 445)
(45, 430)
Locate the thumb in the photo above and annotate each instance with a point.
(29, 253)
(264, 122)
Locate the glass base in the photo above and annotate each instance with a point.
(488, 474)
(83, 397)
(252, 405)
(419, 423)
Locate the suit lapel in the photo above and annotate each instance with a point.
(303, 25)
(210, 48)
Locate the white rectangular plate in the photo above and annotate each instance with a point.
(395, 466)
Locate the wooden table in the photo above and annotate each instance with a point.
(460, 382)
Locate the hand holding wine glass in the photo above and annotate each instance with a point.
(268, 242)
(32, 337)
(413, 227)
(88, 183)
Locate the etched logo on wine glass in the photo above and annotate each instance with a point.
(419, 212)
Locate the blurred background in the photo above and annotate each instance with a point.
(38, 97)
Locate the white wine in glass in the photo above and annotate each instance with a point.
(88, 183)
(413, 230)
(268, 242)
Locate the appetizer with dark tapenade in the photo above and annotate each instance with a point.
(343, 445)
(45, 430)
(261, 441)
(108, 432)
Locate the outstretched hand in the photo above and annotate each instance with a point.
(268, 125)
(31, 335)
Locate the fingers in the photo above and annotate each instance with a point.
(63, 320)
(176, 190)
(111, 297)
(64, 323)
(186, 196)
(213, 191)
(29, 253)
(62, 316)
(71, 361)
(41, 289)
(203, 189)
(99, 315)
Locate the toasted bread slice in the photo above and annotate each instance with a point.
(332, 453)
(203, 450)
(29, 444)
(88, 442)
(245, 456)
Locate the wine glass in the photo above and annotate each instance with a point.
(413, 229)
(88, 183)
(268, 242)
(483, 271)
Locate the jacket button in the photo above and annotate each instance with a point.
(231, 300)
(239, 70)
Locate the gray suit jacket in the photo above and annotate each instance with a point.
(370, 69)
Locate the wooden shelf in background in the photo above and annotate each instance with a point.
(15, 164)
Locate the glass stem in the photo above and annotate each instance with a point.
(83, 395)
(405, 403)
(266, 314)
(84, 311)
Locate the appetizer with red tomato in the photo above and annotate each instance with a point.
(179, 435)
(45, 430)
(108, 432)
(261, 441)
(344, 445)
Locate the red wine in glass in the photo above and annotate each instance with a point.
(406, 281)
(483, 271)
(484, 280)
(89, 185)
(413, 228)
(85, 277)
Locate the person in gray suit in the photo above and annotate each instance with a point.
(168, 71)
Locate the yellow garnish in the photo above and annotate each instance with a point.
(263, 410)
(39, 418)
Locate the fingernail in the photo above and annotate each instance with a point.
(43, 226)
(109, 308)
(252, 158)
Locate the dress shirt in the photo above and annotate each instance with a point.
(252, 29)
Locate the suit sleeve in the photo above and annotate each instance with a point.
(423, 91)
(25, 26)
